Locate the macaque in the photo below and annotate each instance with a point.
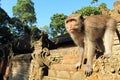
(92, 28)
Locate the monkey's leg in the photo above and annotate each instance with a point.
(99, 45)
(100, 49)
(81, 51)
(118, 34)
(90, 55)
(108, 43)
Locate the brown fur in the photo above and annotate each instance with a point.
(94, 28)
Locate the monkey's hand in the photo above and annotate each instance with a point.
(88, 70)
(78, 65)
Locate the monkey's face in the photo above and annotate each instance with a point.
(73, 23)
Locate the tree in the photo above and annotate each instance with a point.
(16, 26)
(103, 5)
(57, 25)
(3, 16)
(5, 32)
(35, 33)
(0, 3)
(46, 29)
(87, 11)
(24, 10)
(93, 1)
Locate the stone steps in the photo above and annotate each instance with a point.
(65, 70)
(64, 75)
(67, 67)
(67, 63)
(53, 78)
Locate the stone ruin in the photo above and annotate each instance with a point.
(40, 64)
(6, 54)
(115, 13)
(32, 66)
(41, 60)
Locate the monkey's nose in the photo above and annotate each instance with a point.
(70, 26)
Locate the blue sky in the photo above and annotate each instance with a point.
(46, 8)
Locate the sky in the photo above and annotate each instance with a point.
(44, 9)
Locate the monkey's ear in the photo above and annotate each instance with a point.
(81, 17)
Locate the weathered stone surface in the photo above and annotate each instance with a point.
(52, 73)
(19, 67)
(53, 78)
(63, 74)
(115, 13)
(66, 67)
(78, 76)
(40, 63)
(6, 54)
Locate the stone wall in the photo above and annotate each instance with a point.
(19, 67)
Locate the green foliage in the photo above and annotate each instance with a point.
(87, 11)
(93, 1)
(16, 26)
(10, 28)
(5, 34)
(5, 29)
(103, 5)
(57, 25)
(46, 29)
(24, 10)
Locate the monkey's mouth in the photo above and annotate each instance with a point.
(72, 30)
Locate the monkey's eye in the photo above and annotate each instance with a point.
(67, 21)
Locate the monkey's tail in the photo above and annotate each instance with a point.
(118, 34)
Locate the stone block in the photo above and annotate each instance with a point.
(78, 76)
(52, 73)
(63, 74)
